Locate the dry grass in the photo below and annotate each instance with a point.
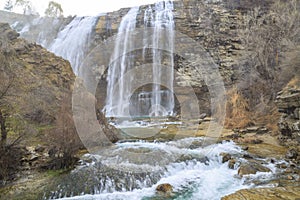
(237, 113)
(240, 115)
(294, 82)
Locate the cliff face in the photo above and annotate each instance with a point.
(213, 26)
(33, 85)
(288, 103)
(236, 35)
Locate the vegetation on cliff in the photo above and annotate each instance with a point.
(270, 37)
(33, 86)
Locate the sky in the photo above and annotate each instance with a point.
(84, 7)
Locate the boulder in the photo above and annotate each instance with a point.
(225, 157)
(165, 189)
(251, 168)
(231, 163)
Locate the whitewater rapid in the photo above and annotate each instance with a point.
(194, 171)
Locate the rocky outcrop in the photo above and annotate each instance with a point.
(40, 78)
(32, 84)
(252, 168)
(288, 103)
(277, 193)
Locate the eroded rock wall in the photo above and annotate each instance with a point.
(288, 103)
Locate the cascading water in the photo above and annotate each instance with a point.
(118, 93)
(67, 37)
(163, 38)
(132, 170)
(73, 41)
(159, 100)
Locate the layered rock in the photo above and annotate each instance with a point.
(288, 103)
(265, 194)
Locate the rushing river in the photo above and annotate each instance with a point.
(133, 169)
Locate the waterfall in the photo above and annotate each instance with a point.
(158, 100)
(118, 93)
(163, 20)
(73, 41)
(67, 37)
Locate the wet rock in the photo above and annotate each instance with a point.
(247, 156)
(245, 148)
(184, 158)
(225, 157)
(251, 168)
(196, 144)
(281, 166)
(288, 170)
(291, 154)
(204, 160)
(250, 140)
(165, 189)
(231, 163)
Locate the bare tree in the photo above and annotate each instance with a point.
(268, 35)
(63, 138)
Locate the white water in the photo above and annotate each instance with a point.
(118, 88)
(163, 38)
(174, 163)
(121, 102)
(73, 41)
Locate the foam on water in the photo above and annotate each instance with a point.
(191, 178)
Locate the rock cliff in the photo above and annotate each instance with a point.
(288, 102)
(40, 77)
